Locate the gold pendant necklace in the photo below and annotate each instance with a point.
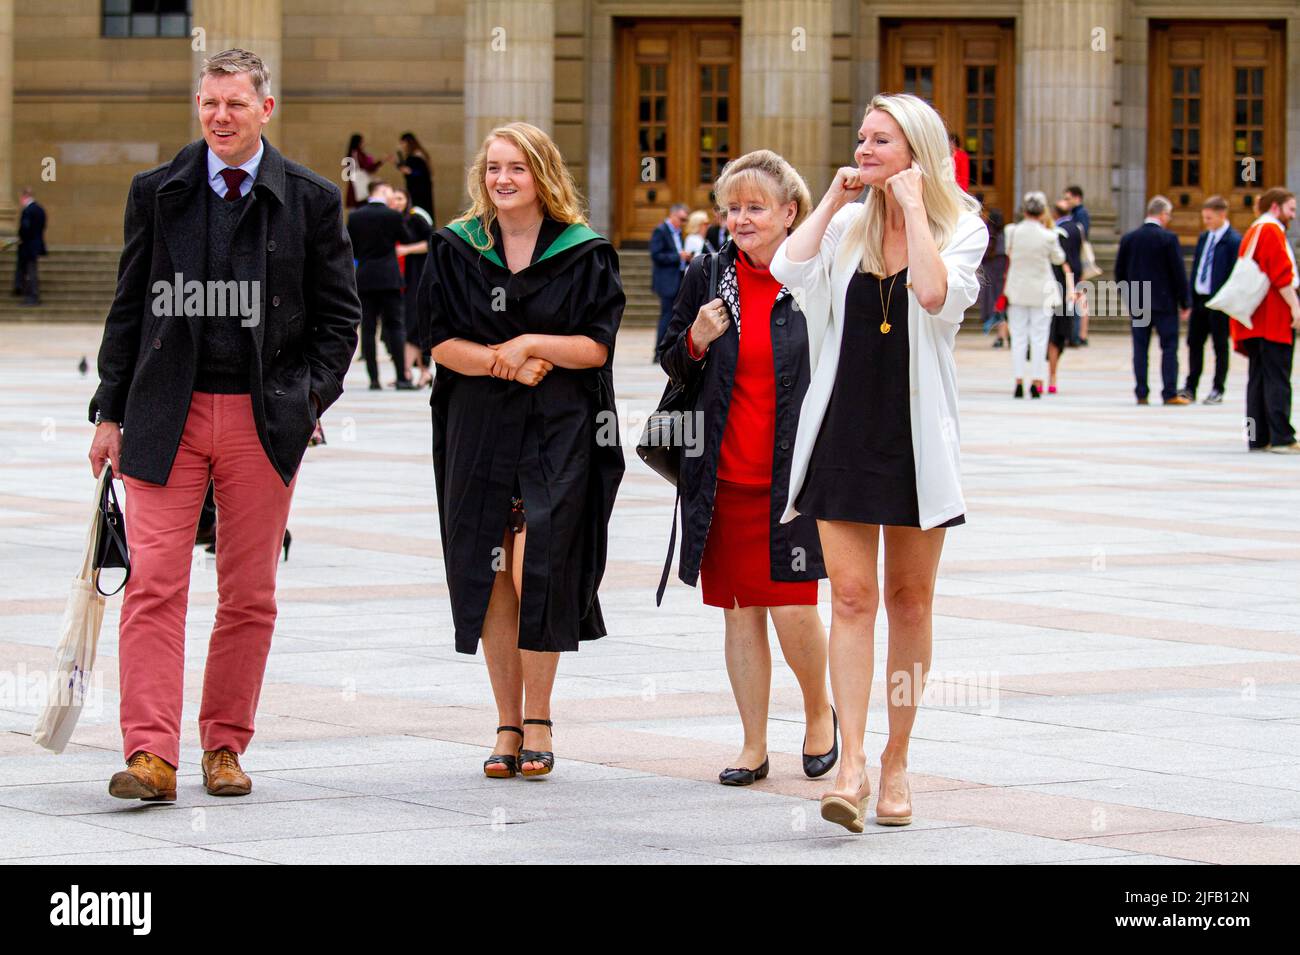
(885, 303)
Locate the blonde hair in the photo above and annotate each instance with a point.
(944, 200)
(697, 219)
(555, 189)
(764, 172)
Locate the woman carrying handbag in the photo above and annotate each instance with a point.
(745, 349)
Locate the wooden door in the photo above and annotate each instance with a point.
(1216, 107)
(678, 118)
(966, 70)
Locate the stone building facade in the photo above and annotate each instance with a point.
(648, 99)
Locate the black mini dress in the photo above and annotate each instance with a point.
(862, 467)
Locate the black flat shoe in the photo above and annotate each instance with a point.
(744, 777)
(1034, 392)
(814, 766)
(509, 764)
(545, 757)
(1019, 392)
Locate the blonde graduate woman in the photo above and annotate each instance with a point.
(884, 284)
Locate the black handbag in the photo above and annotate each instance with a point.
(661, 444)
(110, 546)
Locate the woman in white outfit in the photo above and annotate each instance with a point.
(1033, 246)
(883, 284)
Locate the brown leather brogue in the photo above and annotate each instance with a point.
(146, 777)
(222, 775)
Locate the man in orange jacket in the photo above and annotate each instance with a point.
(1270, 341)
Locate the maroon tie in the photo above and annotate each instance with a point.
(234, 179)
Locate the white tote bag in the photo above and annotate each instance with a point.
(74, 657)
(1245, 288)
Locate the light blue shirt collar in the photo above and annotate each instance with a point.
(218, 183)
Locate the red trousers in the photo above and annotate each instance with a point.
(220, 442)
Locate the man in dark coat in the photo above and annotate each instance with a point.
(375, 230)
(233, 325)
(1216, 254)
(1149, 268)
(31, 245)
(668, 260)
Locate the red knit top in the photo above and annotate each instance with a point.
(746, 456)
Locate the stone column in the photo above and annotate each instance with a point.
(785, 98)
(8, 207)
(1067, 101)
(253, 25)
(509, 66)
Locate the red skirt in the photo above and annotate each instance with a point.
(735, 570)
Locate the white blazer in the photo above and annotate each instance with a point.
(820, 286)
(1033, 249)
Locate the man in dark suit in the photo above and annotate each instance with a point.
(1153, 281)
(31, 245)
(668, 258)
(233, 325)
(375, 230)
(1216, 254)
(716, 236)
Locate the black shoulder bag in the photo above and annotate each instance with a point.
(661, 442)
(110, 546)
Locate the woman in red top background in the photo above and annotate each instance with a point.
(1270, 341)
(747, 350)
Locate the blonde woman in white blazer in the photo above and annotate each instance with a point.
(884, 285)
(1032, 291)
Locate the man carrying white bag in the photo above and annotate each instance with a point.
(83, 616)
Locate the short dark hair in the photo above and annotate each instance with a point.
(1273, 197)
(955, 140)
(1215, 202)
(1076, 191)
(375, 185)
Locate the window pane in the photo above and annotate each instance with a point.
(173, 24)
(144, 24)
(117, 6)
(117, 26)
(1176, 173)
(1194, 79)
(1178, 79)
(1193, 172)
(722, 109)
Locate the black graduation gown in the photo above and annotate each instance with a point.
(555, 444)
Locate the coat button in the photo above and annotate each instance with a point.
(270, 246)
(157, 343)
(785, 380)
(275, 301)
(279, 392)
(781, 320)
(785, 445)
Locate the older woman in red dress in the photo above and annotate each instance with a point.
(747, 350)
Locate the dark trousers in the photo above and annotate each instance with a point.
(1268, 392)
(665, 316)
(26, 278)
(1166, 328)
(383, 307)
(1206, 323)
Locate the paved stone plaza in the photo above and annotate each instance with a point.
(1116, 665)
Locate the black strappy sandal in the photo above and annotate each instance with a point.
(545, 757)
(511, 763)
